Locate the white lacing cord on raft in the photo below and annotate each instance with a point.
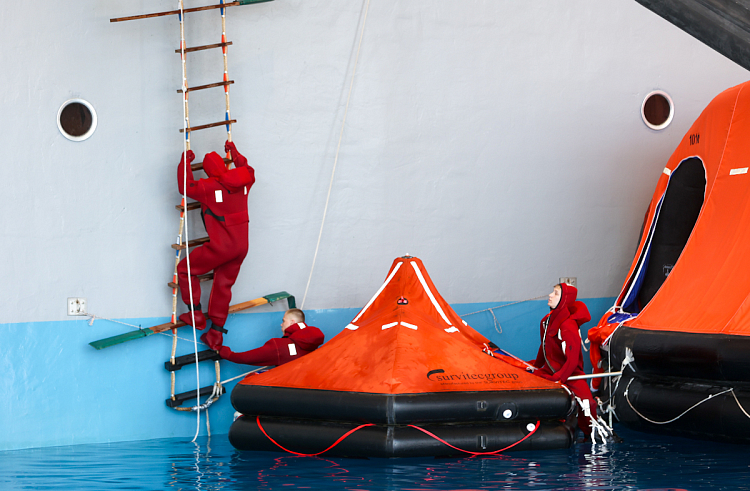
(711, 396)
(336, 158)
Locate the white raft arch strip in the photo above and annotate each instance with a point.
(427, 290)
(352, 326)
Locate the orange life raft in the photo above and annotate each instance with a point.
(680, 327)
(410, 377)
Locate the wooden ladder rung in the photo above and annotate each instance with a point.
(174, 12)
(191, 243)
(191, 206)
(209, 125)
(207, 86)
(207, 46)
(194, 9)
(199, 165)
(202, 277)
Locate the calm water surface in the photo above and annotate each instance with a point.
(641, 462)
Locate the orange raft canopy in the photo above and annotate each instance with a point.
(409, 367)
(684, 309)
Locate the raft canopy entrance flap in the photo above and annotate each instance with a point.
(669, 232)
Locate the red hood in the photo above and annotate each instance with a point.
(306, 337)
(568, 307)
(213, 164)
(234, 179)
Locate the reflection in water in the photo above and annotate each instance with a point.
(642, 462)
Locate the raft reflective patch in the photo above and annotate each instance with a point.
(738, 171)
(451, 329)
(352, 327)
(667, 171)
(388, 326)
(410, 326)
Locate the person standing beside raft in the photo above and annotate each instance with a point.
(560, 355)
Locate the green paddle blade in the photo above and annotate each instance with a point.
(121, 338)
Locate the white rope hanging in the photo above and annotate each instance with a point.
(336, 158)
(185, 148)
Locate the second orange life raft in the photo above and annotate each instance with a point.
(407, 377)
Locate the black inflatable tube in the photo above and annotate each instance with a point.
(660, 400)
(397, 409)
(719, 357)
(387, 441)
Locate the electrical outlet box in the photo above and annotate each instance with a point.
(570, 280)
(76, 306)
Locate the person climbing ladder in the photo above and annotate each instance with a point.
(223, 199)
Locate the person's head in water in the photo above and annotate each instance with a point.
(291, 317)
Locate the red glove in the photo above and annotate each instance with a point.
(190, 157)
(229, 147)
(213, 338)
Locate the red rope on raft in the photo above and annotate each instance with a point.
(474, 454)
(257, 419)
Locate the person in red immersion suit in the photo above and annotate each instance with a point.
(223, 199)
(299, 340)
(560, 353)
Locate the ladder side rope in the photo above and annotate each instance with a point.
(336, 158)
(186, 147)
(227, 116)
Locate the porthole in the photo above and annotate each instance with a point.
(657, 110)
(76, 119)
